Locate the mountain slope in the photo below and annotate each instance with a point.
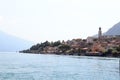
(115, 30)
(12, 43)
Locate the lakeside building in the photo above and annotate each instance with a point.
(88, 46)
(104, 42)
(90, 39)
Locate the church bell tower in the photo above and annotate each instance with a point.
(100, 33)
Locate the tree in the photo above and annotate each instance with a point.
(57, 43)
(64, 47)
(118, 48)
(35, 47)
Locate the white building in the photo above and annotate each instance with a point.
(90, 39)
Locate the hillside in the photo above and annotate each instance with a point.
(12, 43)
(115, 30)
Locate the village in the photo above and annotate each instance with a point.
(101, 45)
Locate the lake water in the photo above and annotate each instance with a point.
(20, 66)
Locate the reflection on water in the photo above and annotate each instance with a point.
(16, 66)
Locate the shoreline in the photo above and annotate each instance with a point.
(77, 54)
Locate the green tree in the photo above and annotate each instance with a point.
(64, 47)
(35, 47)
(57, 43)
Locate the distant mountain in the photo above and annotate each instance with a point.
(12, 43)
(115, 30)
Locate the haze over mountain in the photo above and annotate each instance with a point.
(115, 30)
(12, 43)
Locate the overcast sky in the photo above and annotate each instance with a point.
(41, 20)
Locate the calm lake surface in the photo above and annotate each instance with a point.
(20, 66)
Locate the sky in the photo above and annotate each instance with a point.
(52, 20)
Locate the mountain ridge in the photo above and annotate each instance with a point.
(115, 30)
(12, 43)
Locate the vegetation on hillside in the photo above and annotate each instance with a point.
(108, 46)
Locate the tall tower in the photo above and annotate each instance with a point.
(99, 33)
